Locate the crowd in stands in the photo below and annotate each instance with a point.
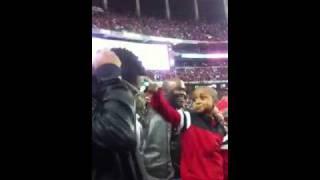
(161, 75)
(188, 30)
(202, 74)
(182, 64)
(194, 72)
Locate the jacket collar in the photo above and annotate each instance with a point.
(134, 90)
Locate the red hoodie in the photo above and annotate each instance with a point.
(223, 104)
(201, 140)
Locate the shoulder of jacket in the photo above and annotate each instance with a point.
(132, 88)
(155, 115)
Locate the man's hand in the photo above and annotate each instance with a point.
(153, 87)
(105, 56)
(218, 115)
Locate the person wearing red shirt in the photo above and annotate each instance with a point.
(222, 106)
(224, 147)
(201, 134)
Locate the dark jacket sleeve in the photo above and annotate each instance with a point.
(113, 119)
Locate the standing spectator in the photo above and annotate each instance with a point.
(161, 152)
(113, 121)
(223, 107)
(131, 70)
(224, 148)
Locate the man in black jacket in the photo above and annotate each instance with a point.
(113, 122)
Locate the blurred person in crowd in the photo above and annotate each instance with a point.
(161, 147)
(223, 96)
(201, 133)
(223, 108)
(224, 148)
(114, 138)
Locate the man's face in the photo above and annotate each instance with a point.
(176, 93)
(202, 101)
(179, 97)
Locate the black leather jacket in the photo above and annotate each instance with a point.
(113, 128)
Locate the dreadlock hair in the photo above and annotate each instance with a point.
(131, 67)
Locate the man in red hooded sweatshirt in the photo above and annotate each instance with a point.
(201, 134)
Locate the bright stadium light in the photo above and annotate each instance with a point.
(204, 56)
(131, 35)
(152, 56)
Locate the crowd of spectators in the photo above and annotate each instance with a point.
(194, 71)
(201, 74)
(182, 64)
(193, 74)
(161, 75)
(188, 30)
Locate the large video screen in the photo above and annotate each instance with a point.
(152, 56)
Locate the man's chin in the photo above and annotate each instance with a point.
(180, 105)
(177, 105)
